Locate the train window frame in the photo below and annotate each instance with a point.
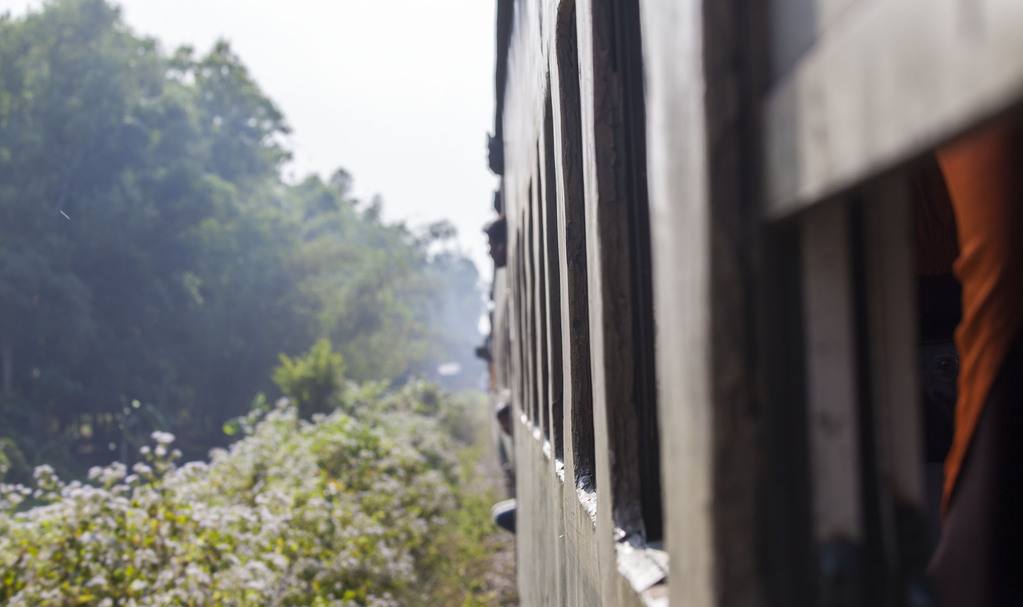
(866, 475)
(532, 328)
(540, 302)
(628, 48)
(553, 301)
(855, 162)
(571, 210)
(625, 395)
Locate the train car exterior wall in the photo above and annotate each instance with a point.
(581, 532)
(704, 318)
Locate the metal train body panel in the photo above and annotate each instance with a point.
(704, 318)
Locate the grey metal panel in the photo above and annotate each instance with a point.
(699, 162)
(831, 374)
(887, 80)
(797, 24)
(679, 219)
(891, 277)
(594, 91)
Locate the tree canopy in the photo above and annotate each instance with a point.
(154, 262)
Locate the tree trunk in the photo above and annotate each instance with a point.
(7, 364)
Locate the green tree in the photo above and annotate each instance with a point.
(313, 382)
(154, 262)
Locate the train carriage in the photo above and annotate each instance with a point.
(705, 306)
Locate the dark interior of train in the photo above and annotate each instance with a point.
(939, 309)
(968, 269)
(969, 263)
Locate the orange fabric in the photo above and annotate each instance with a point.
(982, 172)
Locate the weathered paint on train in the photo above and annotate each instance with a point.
(772, 140)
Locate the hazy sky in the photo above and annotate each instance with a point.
(398, 92)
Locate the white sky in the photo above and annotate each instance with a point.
(398, 92)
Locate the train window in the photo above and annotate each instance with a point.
(552, 229)
(529, 272)
(578, 391)
(540, 300)
(530, 306)
(879, 307)
(536, 292)
(866, 528)
(857, 518)
(520, 325)
(627, 394)
(866, 451)
(629, 55)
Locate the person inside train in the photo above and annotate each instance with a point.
(976, 562)
(939, 299)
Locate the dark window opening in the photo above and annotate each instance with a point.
(523, 328)
(532, 329)
(552, 231)
(576, 277)
(628, 64)
(540, 249)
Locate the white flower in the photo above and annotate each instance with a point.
(44, 471)
(163, 438)
(285, 483)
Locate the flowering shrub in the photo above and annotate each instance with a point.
(340, 510)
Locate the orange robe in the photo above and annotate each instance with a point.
(984, 175)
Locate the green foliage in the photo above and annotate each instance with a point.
(343, 510)
(461, 557)
(313, 381)
(153, 263)
(13, 467)
(151, 252)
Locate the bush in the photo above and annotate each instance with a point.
(335, 511)
(313, 381)
(13, 467)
